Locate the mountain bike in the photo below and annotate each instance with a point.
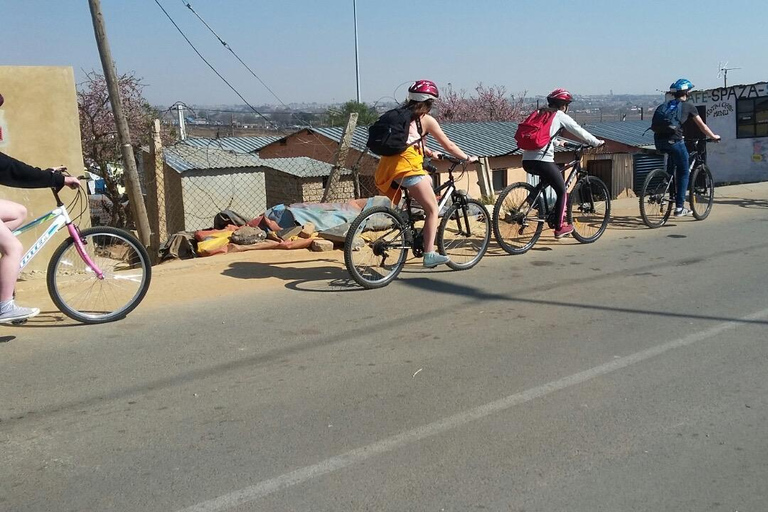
(521, 210)
(378, 240)
(97, 274)
(657, 197)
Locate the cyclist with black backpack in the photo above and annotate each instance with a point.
(398, 136)
(667, 126)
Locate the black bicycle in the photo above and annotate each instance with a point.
(378, 240)
(658, 195)
(521, 209)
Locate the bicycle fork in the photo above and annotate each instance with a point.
(80, 247)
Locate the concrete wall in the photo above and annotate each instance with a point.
(40, 126)
(733, 159)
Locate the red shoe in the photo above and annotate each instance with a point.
(565, 230)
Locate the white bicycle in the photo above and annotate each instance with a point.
(97, 274)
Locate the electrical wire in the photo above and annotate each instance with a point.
(211, 66)
(189, 6)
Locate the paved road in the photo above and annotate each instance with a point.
(628, 375)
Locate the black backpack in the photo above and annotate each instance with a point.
(389, 134)
(667, 119)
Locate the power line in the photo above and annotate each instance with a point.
(210, 66)
(189, 6)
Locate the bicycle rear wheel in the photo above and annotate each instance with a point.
(375, 248)
(702, 192)
(589, 209)
(518, 218)
(464, 233)
(655, 203)
(82, 295)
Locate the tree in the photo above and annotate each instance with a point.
(366, 115)
(98, 132)
(490, 104)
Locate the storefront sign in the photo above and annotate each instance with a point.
(737, 92)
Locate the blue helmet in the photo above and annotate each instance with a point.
(681, 85)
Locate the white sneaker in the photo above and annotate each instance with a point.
(16, 313)
(682, 212)
(433, 259)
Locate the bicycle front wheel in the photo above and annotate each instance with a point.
(464, 233)
(589, 209)
(518, 218)
(375, 248)
(702, 192)
(84, 296)
(655, 202)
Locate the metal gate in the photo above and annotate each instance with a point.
(644, 164)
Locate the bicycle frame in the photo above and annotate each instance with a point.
(413, 239)
(696, 158)
(60, 218)
(576, 170)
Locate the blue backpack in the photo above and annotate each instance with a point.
(667, 119)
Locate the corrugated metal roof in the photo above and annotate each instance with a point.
(484, 139)
(631, 133)
(183, 157)
(239, 144)
(301, 166)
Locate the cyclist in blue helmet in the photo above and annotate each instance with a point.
(669, 138)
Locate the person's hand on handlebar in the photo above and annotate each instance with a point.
(472, 159)
(69, 181)
(600, 142)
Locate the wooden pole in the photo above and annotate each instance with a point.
(138, 207)
(341, 157)
(156, 150)
(485, 178)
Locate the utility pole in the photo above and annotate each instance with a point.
(357, 58)
(138, 208)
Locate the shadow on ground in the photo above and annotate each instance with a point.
(325, 275)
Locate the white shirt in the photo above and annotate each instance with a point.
(561, 120)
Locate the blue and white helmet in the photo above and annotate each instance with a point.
(681, 85)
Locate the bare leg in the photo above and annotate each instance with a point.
(12, 216)
(424, 194)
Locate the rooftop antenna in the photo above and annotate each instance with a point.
(722, 72)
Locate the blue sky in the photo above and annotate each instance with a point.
(304, 49)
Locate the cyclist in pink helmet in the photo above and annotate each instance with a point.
(541, 162)
(406, 169)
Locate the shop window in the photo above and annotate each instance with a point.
(499, 180)
(752, 118)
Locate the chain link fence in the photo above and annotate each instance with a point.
(198, 178)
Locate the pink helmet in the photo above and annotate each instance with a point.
(423, 90)
(561, 95)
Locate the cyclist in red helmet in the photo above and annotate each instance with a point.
(541, 162)
(406, 168)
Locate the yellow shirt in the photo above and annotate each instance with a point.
(395, 167)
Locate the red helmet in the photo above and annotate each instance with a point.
(561, 95)
(423, 90)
